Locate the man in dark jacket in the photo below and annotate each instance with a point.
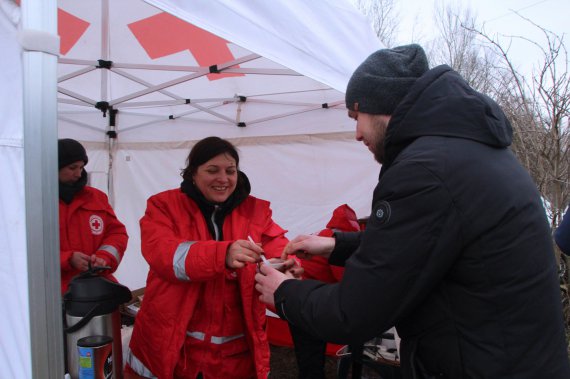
(457, 253)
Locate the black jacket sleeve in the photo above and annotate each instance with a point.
(410, 241)
(346, 243)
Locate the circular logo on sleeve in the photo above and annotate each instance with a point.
(96, 224)
(382, 212)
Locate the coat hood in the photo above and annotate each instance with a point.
(344, 218)
(441, 103)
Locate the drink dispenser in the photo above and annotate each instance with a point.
(91, 307)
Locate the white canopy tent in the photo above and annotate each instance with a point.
(138, 83)
(14, 333)
(269, 76)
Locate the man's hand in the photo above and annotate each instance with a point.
(268, 280)
(305, 246)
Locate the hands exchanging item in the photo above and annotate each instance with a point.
(304, 246)
(274, 271)
(271, 273)
(242, 252)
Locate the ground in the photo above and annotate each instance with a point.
(284, 366)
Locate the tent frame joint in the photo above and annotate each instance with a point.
(104, 107)
(105, 64)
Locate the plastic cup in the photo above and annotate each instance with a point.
(276, 263)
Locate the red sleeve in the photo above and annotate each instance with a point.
(202, 265)
(65, 260)
(114, 243)
(273, 238)
(174, 257)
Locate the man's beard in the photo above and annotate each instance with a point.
(379, 151)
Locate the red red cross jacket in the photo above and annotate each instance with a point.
(184, 259)
(88, 224)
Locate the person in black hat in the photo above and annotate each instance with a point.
(457, 252)
(90, 234)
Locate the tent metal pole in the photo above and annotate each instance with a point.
(40, 176)
(105, 35)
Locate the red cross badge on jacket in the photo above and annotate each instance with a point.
(96, 224)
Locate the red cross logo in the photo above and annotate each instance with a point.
(96, 224)
(159, 35)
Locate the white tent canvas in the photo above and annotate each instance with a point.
(14, 313)
(269, 76)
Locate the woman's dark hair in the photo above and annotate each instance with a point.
(205, 150)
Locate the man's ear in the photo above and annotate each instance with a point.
(356, 107)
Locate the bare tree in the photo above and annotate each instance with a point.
(537, 103)
(457, 46)
(382, 16)
(538, 106)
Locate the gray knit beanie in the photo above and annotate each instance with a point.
(70, 151)
(380, 83)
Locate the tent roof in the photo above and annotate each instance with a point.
(231, 68)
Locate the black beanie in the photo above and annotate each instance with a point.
(380, 83)
(69, 151)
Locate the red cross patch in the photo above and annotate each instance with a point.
(96, 224)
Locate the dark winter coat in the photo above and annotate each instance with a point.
(457, 252)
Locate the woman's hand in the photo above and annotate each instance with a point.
(242, 252)
(305, 246)
(291, 266)
(98, 262)
(80, 261)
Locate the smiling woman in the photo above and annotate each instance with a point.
(199, 243)
(217, 178)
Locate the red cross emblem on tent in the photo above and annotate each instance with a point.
(163, 34)
(159, 35)
(96, 224)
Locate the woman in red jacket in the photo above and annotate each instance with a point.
(89, 232)
(201, 316)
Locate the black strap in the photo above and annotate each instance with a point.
(81, 323)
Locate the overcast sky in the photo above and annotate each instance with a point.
(416, 21)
